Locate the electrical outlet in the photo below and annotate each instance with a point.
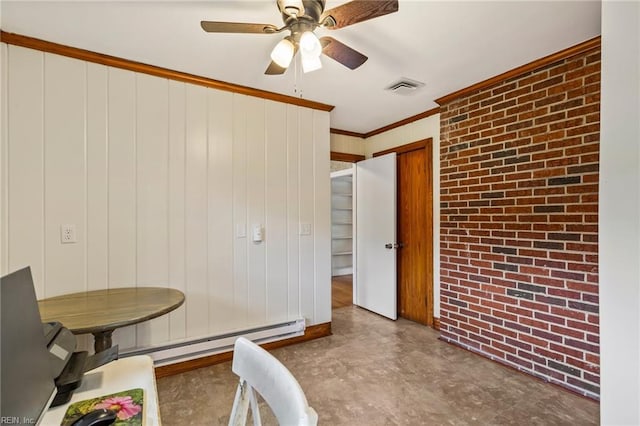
(67, 234)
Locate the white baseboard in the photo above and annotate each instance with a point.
(184, 351)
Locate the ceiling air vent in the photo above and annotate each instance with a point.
(405, 86)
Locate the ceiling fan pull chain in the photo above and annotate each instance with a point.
(295, 80)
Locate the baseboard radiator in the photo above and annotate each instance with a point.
(198, 348)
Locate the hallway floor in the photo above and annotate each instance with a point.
(373, 371)
(341, 291)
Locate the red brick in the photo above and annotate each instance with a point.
(579, 325)
(546, 231)
(565, 142)
(504, 331)
(533, 79)
(534, 306)
(557, 135)
(518, 311)
(567, 332)
(549, 354)
(592, 359)
(548, 281)
(564, 293)
(518, 92)
(551, 98)
(566, 67)
(493, 352)
(533, 131)
(534, 341)
(550, 373)
(582, 71)
(504, 315)
(544, 173)
(542, 325)
(579, 286)
(567, 350)
(469, 327)
(503, 347)
(562, 88)
(539, 112)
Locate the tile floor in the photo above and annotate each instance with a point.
(373, 371)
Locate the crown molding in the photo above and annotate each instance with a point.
(404, 122)
(347, 133)
(113, 61)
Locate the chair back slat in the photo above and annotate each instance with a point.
(273, 381)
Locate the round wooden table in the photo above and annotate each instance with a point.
(99, 312)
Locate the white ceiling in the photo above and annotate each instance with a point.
(448, 45)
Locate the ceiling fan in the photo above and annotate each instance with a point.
(301, 18)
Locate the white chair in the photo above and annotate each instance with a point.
(260, 370)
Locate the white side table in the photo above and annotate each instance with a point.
(117, 376)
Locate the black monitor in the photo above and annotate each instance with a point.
(27, 385)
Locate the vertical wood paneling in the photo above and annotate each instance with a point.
(122, 188)
(293, 212)
(152, 142)
(307, 212)
(221, 226)
(196, 212)
(256, 306)
(276, 211)
(64, 166)
(164, 182)
(176, 203)
(26, 163)
(239, 179)
(97, 178)
(4, 163)
(322, 214)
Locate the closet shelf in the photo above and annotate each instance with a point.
(342, 226)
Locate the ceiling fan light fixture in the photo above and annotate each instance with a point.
(311, 63)
(310, 45)
(282, 53)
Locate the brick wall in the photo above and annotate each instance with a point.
(519, 222)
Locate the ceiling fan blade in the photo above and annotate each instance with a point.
(274, 69)
(237, 27)
(342, 53)
(358, 11)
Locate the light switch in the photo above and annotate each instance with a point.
(241, 230)
(257, 233)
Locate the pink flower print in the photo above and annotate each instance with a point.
(123, 405)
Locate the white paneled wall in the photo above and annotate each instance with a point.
(164, 182)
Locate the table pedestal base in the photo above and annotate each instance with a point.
(102, 340)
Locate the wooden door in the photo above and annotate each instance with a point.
(376, 234)
(415, 224)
